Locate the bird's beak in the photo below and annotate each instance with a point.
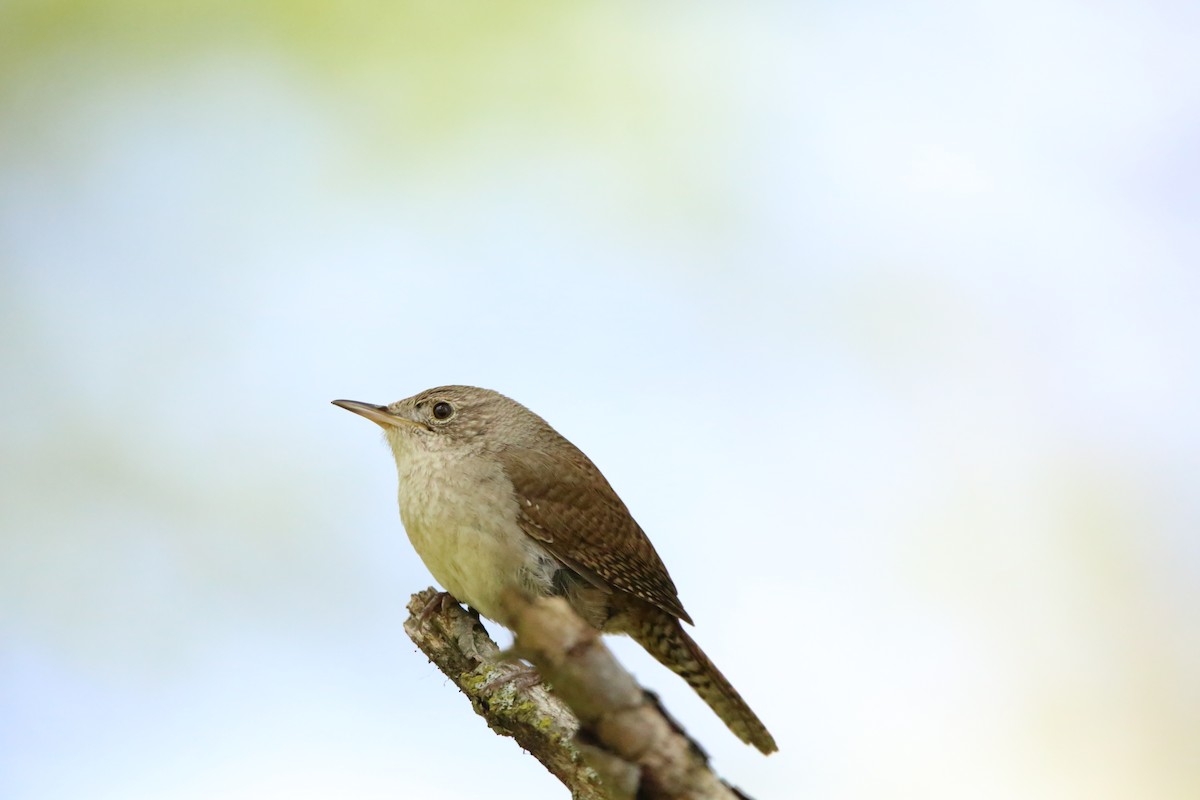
(377, 414)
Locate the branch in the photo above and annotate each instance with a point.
(539, 722)
(626, 746)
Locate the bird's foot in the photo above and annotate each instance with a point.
(463, 630)
(513, 673)
(441, 601)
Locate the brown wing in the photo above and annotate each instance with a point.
(568, 505)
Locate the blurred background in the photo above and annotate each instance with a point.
(881, 319)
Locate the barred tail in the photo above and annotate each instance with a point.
(664, 638)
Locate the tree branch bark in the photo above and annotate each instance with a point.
(597, 731)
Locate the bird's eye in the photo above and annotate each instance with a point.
(443, 410)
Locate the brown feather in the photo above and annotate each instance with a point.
(567, 504)
(666, 640)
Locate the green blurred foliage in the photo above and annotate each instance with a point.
(421, 69)
(644, 107)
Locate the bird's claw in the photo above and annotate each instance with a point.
(519, 676)
(440, 602)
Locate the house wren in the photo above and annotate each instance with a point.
(494, 498)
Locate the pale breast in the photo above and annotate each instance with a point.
(461, 517)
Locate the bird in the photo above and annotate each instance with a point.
(493, 498)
